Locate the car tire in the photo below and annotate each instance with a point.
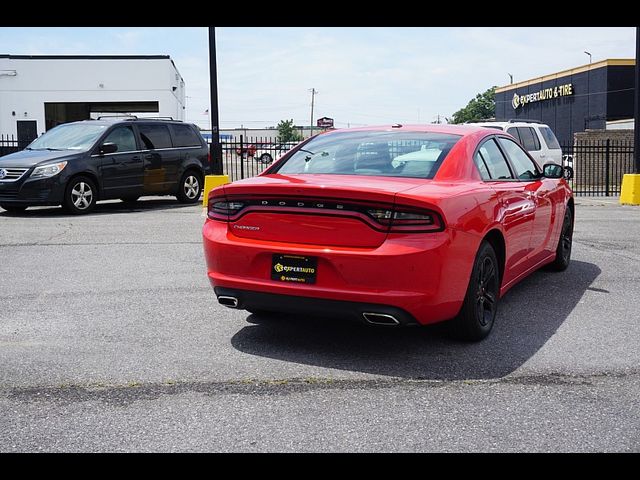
(567, 173)
(190, 187)
(13, 208)
(479, 308)
(563, 250)
(130, 199)
(80, 195)
(266, 159)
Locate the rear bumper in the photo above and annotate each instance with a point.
(377, 313)
(423, 275)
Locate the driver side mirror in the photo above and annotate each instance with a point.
(552, 170)
(108, 147)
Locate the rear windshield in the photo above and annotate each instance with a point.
(382, 153)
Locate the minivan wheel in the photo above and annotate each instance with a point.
(478, 313)
(190, 187)
(13, 208)
(80, 195)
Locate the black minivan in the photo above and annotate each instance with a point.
(76, 164)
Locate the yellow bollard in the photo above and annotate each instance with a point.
(211, 182)
(630, 194)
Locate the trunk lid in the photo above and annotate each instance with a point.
(324, 210)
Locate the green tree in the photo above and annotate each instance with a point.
(479, 108)
(287, 132)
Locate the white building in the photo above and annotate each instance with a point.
(38, 92)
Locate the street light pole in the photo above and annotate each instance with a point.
(510, 77)
(589, 55)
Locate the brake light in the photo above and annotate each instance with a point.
(221, 209)
(407, 220)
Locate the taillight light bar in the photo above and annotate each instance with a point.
(400, 219)
(408, 220)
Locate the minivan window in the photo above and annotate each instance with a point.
(155, 136)
(124, 138)
(69, 136)
(549, 138)
(184, 136)
(529, 139)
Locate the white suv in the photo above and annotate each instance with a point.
(536, 138)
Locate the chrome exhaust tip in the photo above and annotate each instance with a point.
(380, 318)
(231, 302)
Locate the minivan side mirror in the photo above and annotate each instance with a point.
(552, 170)
(108, 147)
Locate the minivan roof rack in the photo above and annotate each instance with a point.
(526, 120)
(134, 117)
(157, 118)
(123, 116)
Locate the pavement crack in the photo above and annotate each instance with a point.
(129, 393)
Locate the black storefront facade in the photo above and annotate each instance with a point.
(574, 100)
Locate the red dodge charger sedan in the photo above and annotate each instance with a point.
(394, 225)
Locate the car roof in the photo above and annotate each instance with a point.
(462, 130)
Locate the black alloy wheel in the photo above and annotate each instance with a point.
(480, 306)
(565, 242)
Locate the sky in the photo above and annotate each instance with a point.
(363, 75)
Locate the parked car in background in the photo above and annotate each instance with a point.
(77, 164)
(246, 151)
(536, 137)
(391, 225)
(267, 152)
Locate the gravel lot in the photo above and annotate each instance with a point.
(111, 340)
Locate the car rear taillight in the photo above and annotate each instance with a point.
(408, 220)
(221, 209)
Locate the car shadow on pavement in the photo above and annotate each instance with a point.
(106, 208)
(528, 315)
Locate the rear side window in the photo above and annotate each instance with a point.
(524, 166)
(155, 136)
(494, 162)
(529, 139)
(549, 138)
(185, 136)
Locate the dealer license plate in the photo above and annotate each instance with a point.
(294, 268)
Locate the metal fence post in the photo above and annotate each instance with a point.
(607, 159)
(242, 157)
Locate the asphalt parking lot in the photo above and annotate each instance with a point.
(111, 340)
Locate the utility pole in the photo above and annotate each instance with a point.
(313, 94)
(216, 148)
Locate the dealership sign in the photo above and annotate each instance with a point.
(325, 122)
(544, 94)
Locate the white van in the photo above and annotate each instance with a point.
(536, 138)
